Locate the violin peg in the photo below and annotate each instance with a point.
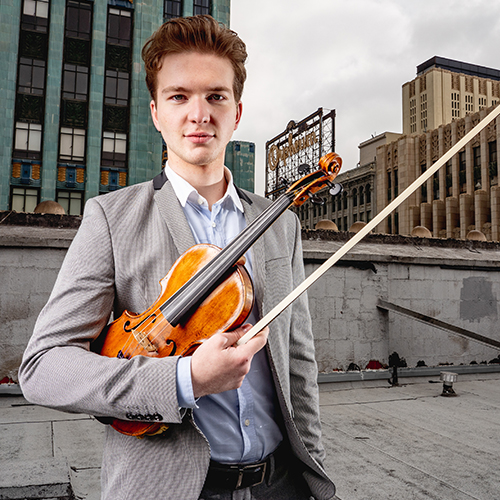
(335, 189)
(303, 169)
(315, 199)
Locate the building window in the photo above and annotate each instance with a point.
(117, 85)
(423, 112)
(35, 15)
(72, 145)
(368, 193)
(28, 140)
(114, 149)
(482, 103)
(389, 186)
(361, 195)
(201, 7)
(78, 19)
(423, 188)
(172, 8)
(449, 178)
(119, 27)
(71, 201)
(493, 163)
(455, 105)
(75, 82)
(435, 186)
(476, 153)
(469, 104)
(413, 115)
(31, 76)
(36, 8)
(396, 184)
(24, 199)
(462, 177)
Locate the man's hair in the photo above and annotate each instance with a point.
(194, 34)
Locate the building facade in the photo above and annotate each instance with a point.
(76, 119)
(445, 90)
(240, 159)
(463, 195)
(446, 100)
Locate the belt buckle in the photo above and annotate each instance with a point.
(241, 474)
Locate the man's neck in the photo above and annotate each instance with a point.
(209, 181)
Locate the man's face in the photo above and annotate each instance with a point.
(195, 108)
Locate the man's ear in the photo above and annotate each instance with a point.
(239, 111)
(154, 114)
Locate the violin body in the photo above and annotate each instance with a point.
(150, 334)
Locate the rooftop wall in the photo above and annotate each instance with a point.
(451, 280)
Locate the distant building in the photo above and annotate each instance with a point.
(240, 159)
(445, 90)
(462, 196)
(76, 120)
(440, 106)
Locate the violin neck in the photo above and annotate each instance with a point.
(194, 291)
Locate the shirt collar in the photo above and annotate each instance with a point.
(184, 191)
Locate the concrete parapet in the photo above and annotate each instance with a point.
(454, 281)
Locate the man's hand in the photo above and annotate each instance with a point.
(219, 365)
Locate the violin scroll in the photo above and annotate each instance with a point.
(305, 188)
(331, 163)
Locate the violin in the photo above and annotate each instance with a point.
(206, 291)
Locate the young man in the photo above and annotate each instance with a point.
(243, 421)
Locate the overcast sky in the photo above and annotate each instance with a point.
(352, 56)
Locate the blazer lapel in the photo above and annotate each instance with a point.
(173, 215)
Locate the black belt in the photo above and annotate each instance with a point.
(235, 477)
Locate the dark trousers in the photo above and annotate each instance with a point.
(283, 482)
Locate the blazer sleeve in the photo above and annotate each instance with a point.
(304, 392)
(60, 371)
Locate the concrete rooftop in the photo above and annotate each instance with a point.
(382, 442)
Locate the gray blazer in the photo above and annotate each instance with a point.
(127, 242)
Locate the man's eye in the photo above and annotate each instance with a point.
(177, 98)
(216, 97)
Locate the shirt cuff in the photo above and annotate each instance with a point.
(185, 396)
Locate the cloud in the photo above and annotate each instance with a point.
(350, 56)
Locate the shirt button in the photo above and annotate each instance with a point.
(214, 224)
(247, 422)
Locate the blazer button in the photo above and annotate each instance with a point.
(157, 416)
(130, 416)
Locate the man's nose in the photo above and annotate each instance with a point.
(199, 111)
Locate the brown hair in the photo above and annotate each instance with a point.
(194, 34)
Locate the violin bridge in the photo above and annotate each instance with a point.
(142, 339)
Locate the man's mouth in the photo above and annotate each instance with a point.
(199, 137)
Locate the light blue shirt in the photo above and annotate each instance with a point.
(240, 425)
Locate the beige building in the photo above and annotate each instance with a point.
(445, 90)
(440, 106)
(462, 196)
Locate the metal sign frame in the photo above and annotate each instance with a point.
(301, 142)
